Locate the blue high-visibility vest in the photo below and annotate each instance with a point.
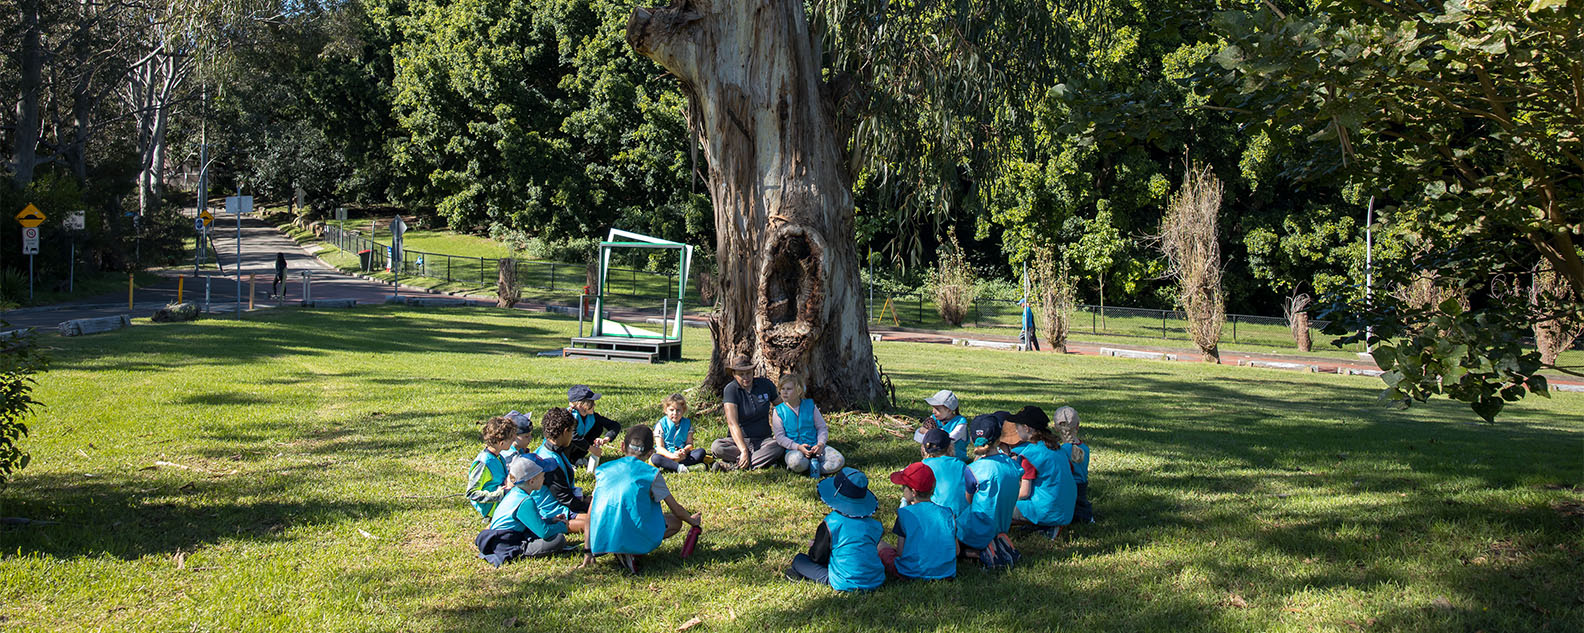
(674, 436)
(959, 446)
(1080, 468)
(585, 423)
(929, 542)
(854, 560)
(951, 487)
(996, 495)
(494, 477)
(799, 426)
(517, 513)
(1055, 491)
(624, 517)
(546, 502)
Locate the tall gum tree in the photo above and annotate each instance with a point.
(782, 195)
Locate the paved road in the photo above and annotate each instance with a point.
(260, 243)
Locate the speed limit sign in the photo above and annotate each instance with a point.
(30, 240)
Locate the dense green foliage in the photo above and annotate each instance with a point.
(1466, 120)
(20, 360)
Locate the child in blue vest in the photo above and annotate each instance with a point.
(517, 529)
(1066, 421)
(982, 529)
(558, 497)
(953, 480)
(1055, 492)
(944, 415)
(926, 546)
(593, 430)
(487, 473)
(626, 516)
(523, 445)
(798, 427)
(673, 435)
(845, 553)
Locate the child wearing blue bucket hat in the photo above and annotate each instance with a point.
(845, 552)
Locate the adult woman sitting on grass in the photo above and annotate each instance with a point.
(625, 518)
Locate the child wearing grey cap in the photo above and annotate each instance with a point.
(517, 528)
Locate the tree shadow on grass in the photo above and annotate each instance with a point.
(143, 513)
(308, 333)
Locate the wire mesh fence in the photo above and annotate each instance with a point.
(624, 287)
(919, 310)
(635, 288)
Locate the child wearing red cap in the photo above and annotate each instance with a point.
(926, 532)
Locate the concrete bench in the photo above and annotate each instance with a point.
(1271, 364)
(1352, 371)
(1136, 353)
(80, 327)
(970, 342)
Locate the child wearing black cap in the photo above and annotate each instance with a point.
(982, 529)
(1051, 505)
(953, 480)
(592, 429)
(926, 546)
(845, 553)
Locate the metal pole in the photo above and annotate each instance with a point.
(71, 268)
(1369, 272)
(239, 253)
(30, 277)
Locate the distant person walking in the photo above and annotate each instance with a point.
(280, 274)
(1030, 341)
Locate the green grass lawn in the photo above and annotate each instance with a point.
(314, 446)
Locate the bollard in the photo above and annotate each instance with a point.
(252, 289)
(307, 291)
(181, 284)
(129, 292)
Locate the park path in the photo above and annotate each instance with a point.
(260, 242)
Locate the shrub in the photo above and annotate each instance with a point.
(954, 284)
(1057, 297)
(20, 359)
(1188, 239)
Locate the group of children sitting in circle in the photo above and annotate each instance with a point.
(975, 481)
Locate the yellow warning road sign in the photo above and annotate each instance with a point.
(30, 217)
(208, 218)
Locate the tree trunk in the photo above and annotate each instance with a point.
(1301, 331)
(788, 266)
(28, 123)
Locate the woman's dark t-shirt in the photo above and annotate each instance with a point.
(753, 406)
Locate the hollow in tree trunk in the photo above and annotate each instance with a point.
(788, 266)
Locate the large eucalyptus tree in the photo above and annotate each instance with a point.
(790, 100)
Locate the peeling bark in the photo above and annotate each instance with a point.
(788, 271)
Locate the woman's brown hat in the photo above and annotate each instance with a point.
(741, 362)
